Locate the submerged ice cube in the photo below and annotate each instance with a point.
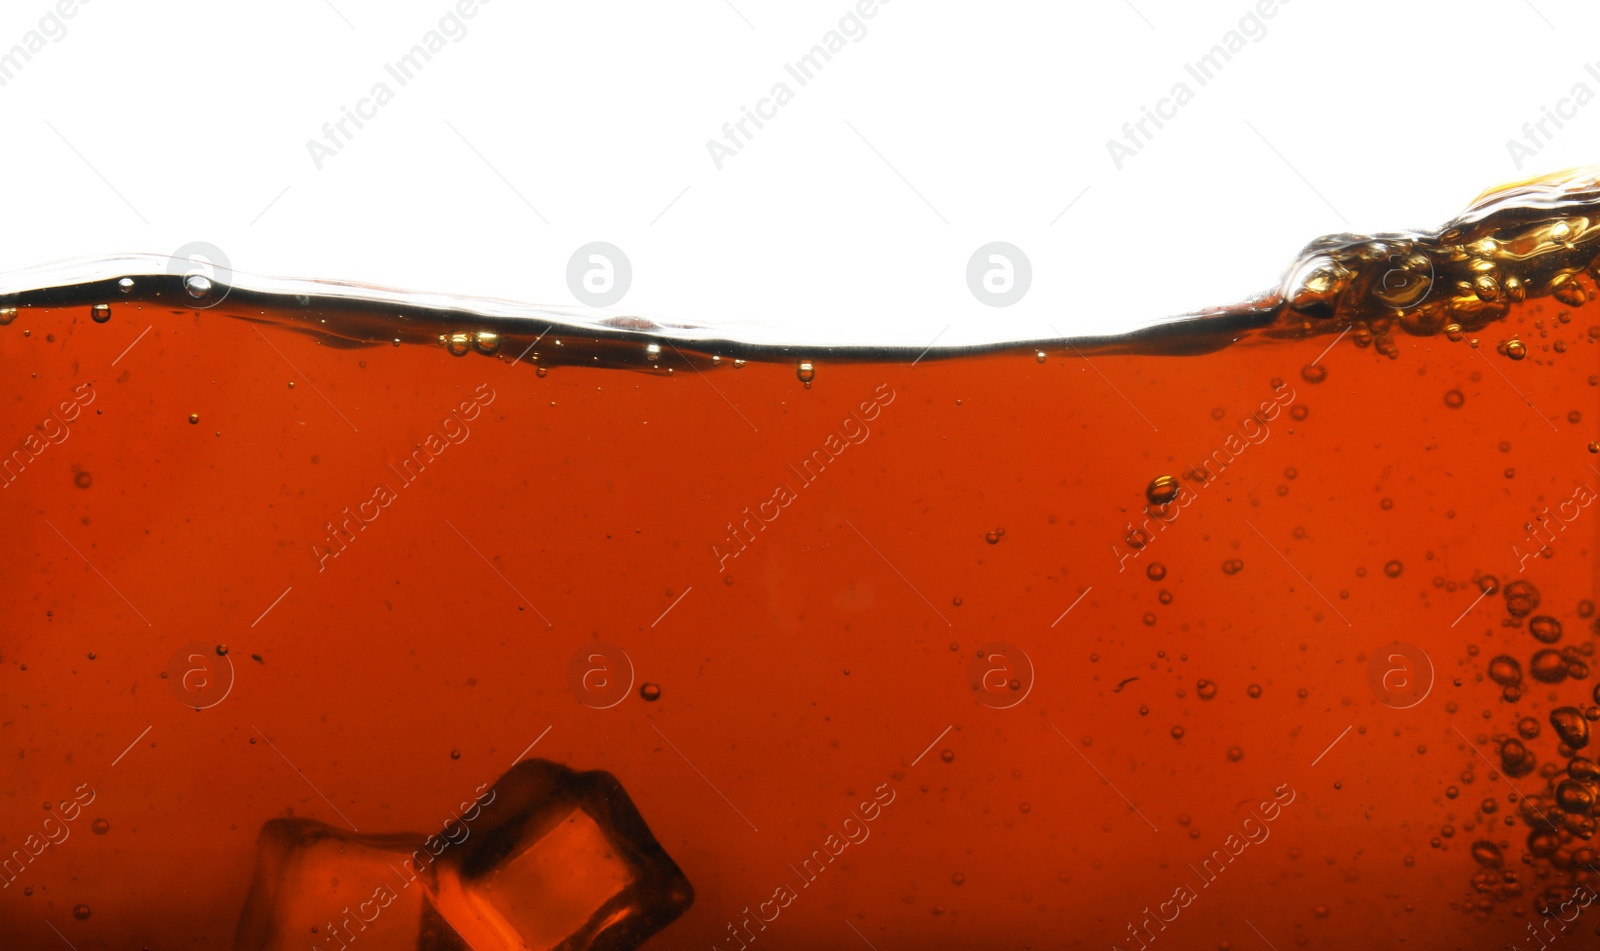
(547, 858)
(557, 859)
(318, 886)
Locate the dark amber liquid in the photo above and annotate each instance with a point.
(932, 511)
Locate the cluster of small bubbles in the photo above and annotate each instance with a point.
(1232, 566)
(1521, 598)
(1205, 689)
(994, 537)
(100, 313)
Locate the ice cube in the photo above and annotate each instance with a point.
(548, 858)
(557, 859)
(318, 886)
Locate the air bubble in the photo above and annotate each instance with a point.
(1515, 349)
(458, 344)
(125, 285)
(650, 692)
(1162, 489)
(806, 373)
(100, 313)
(197, 285)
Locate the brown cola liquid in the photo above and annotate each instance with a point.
(1275, 624)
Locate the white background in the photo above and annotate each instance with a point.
(849, 217)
